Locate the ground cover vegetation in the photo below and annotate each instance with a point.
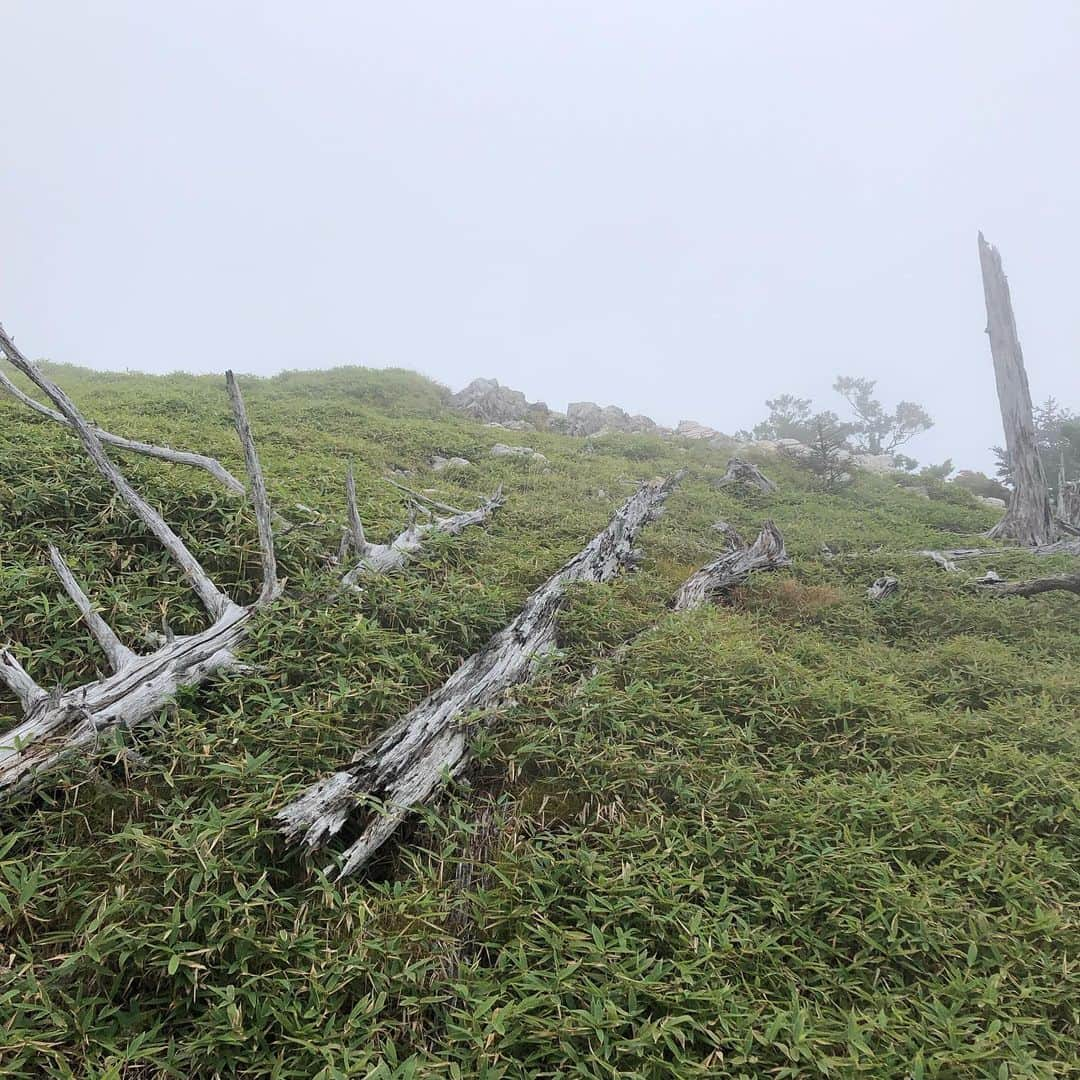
(796, 834)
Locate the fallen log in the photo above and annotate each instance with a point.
(743, 474)
(733, 568)
(1064, 582)
(58, 724)
(408, 763)
(162, 453)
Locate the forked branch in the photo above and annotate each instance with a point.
(58, 724)
(162, 453)
(374, 560)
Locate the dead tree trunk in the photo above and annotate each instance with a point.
(733, 568)
(408, 763)
(57, 724)
(377, 559)
(1065, 582)
(1028, 519)
(743, 474)
(162, 453)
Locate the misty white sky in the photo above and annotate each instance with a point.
(678, 207)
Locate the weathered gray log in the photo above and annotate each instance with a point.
(409, 762)
(1065, 582)
(733, 568)
(162, 453)
(743, 474)
(374, 560)
(58, 724)
(1028, 519)
(883, 588)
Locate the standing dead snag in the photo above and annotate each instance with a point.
(378, 559)
(60, 723)
(1029, 518)
(733, 568)
(409, 762)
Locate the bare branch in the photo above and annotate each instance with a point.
(422, 498)
(14, 675)
(119, 654)
(162, 453)
(733, 568)
(212, 598)
(379, 559)
(260, 500)
(356, 526)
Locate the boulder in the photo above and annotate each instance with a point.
(502, 450)
(691, 429)
(439, 463)
(588, 418)
(990, 500)
(881, 464)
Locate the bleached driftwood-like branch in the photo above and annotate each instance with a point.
(743, 474)
(883, 588)
(1029, 518)
(373, 560)
(60, 723)
(1064, 582)
(409, 762)
(162, 453)
(733, 568)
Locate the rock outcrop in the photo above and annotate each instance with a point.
(488, 400)
(691, 429)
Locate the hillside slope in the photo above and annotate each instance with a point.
(798, 834)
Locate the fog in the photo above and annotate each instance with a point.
(681, 208)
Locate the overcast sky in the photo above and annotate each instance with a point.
(678, 207)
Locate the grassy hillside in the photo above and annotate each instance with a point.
(797, 835)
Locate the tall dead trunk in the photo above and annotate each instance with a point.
(1029, 518)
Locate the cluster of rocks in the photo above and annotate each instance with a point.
(488, 401)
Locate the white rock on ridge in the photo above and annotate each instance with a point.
(691, 429)
(990, 500)
(876, 463)
(439, 463)
(502, 450)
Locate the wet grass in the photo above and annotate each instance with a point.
(798, 835)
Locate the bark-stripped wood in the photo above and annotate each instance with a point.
(374, 560)
(743, 474)
(60, 723)
(409, 762)
(1068, 509)
(733, 568)
(883, 588)
(1028, 519)
(162, 453)
(1065, 582)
